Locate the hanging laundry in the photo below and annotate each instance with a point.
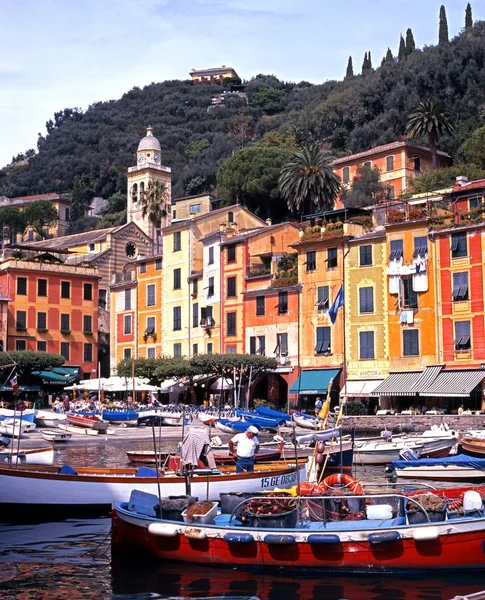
(420, 282)
(394, 284)
(404, 316)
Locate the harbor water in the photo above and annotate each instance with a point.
(72, 559)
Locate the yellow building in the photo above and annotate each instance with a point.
(214, 75)
(366, 308)
(192, 315)
(193, 206)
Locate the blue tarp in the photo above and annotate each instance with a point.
(460, 459)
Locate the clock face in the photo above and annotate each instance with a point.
(141, 159)
(130, 250)
(156, 157)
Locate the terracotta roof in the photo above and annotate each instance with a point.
(385, 148)
(34, 197)
(473, 185)
(76, 239)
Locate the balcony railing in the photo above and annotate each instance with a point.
(125, 277)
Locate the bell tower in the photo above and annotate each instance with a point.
(149, 190)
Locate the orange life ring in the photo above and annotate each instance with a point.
(343, 479)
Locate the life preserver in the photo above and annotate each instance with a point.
(342, 479)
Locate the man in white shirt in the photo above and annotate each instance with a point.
(247, 446)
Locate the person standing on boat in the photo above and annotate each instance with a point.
(247, 446)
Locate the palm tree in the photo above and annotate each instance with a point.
(307, 181)
(428, 118)
(155, 204)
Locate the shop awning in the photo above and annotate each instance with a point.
(426, 379)
(359, 388)
(314, 381)
(58, 375)
(455, 384)
(22, 388)
(397, 384)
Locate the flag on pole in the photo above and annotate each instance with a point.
(337, 303)
(15, 384)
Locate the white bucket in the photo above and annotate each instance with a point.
(379, 511)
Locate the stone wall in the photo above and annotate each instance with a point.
(396, 423)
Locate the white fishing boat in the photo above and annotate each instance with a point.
(84, 430)
(306, 421)
(13, 427)
(26, 487)
(452, 468)
(28, 456)
(52, 435)
(45, 418)
(379, 451)
(6, 413)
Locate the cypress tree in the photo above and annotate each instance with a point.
(77, 200)
(389, 56)
(383, 61)
(402, 50)
(410, 43)
(468, 17)
(443, 30)
(350, 69)
(364, 64)
(369, 62)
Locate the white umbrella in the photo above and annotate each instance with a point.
(222, 384)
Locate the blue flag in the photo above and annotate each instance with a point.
(337, 303)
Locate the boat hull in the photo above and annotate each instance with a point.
(382, 452)
(28, 456)
(459, 547)
(99, 487)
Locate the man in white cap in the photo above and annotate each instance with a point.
(247, 446)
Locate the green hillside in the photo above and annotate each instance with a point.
(95, 147)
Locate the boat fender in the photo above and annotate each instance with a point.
(343, 479)
(383, 537)
(238, 538)
(425, 534)
(323, 539)
(163, 529)
(279, 539)
(194, 533)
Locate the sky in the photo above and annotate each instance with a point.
(56, 54)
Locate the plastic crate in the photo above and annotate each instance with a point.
(206, 518)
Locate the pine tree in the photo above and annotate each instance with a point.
(389, 56)
(443, 30)
(350, 69)
(468, 17)
(402, 50)
(410, 43)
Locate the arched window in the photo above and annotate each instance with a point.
(67, 214)
(230, 217)
(142, 190)
(134, 192)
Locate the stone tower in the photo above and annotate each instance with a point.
(145, 181)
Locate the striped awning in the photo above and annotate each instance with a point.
(398, 384)
(455, 384)
(426, 379)
(359, 388)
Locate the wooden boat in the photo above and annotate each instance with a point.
(175, 420)
(76, 430)
(453, 468)
(381, 451)
(56, 436)
(127, 417)
(87, 421)
(29, 456)
(96, 489)
(381, 535)
(6, 413)
(45, 418)
(473, 446)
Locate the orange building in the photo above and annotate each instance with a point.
(149, 309)
(53, 308)
(398, 163)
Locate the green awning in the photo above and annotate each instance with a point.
(314, 381)
(58, 375)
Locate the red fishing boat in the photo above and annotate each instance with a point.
(380, 533)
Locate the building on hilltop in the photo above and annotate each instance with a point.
(214, 75)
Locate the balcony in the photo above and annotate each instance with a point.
(258, 271)
(120, 279)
